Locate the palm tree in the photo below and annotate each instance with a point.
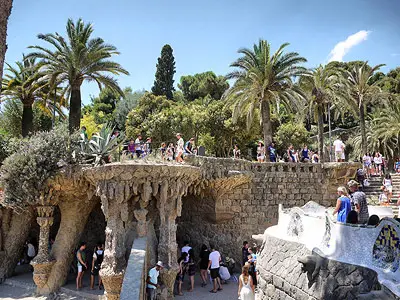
(360, 93)
(5, 11)
(24, 83)
(263, 79)
(322, 86)
(75, 60)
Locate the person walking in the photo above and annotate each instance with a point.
(272, 152)
(179, 148)
(82, 266)
(245, 252)
(152, 281)
(213, 266)
(181, 273)
(185, 249)
(360, 202)
(339, 149)
(260, 152)
(204, 258)
(343, 205)
(98, 256)
(246, 286)
(388, 185)
(378, 164)
(191, 269)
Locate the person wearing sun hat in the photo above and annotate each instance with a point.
(152, 281)
(360, 201)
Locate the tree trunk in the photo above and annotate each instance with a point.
(362, 129)
(27, 119)
(5, 11)
(75, 104)
(266, 122)
(321, 151)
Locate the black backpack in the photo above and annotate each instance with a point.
(99, 259)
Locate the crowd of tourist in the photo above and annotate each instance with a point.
(213, 268)
(352, 207)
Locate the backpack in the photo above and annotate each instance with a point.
(99, 260)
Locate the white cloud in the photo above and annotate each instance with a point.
(394, 54)
(343, 47)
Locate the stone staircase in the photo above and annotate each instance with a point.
(374, 190)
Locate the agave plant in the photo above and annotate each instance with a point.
(99, 148)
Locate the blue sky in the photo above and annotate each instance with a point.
(205, 35)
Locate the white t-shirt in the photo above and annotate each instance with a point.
(339, 146)
(378, 159)
(138, 144)
(153, 274)
(186, 249)
(215, 258)
(31, 250)
(180, 145)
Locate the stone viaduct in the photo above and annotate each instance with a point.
(207, 200)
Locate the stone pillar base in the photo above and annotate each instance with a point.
(112, 285)
(168, 277)
(41, 272)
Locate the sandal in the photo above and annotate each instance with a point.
(219, 289)
(212, 291)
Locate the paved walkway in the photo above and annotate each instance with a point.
(229, 292)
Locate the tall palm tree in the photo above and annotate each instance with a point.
(264, 79)
(75, 60)
(360, 93)
(24, 83)
(5, 11)
(322, 86)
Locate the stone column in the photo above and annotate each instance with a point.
(140, 215)
(43, 263)
(169, 206)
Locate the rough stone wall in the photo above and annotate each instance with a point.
(236, 214)
(14, 231)
(227, 214)
(282, 277)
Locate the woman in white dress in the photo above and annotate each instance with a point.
(246, 286)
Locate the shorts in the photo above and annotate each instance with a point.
(191, 271)
(338, 155)
(214, 273)
(261, 157)
(180, 277)
(389, 188)
(81, 268)
(272, 159)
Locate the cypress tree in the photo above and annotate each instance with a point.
(164, 82)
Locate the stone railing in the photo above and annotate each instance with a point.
(134, 284)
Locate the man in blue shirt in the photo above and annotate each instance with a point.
(272, 152)
(152, 281)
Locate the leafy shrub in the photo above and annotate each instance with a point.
(24, 173)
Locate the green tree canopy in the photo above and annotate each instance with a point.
(202, 85)
(264, 79)
(164, 82)
(77, 59)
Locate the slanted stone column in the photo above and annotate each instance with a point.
(170, 206)
(43, 263)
